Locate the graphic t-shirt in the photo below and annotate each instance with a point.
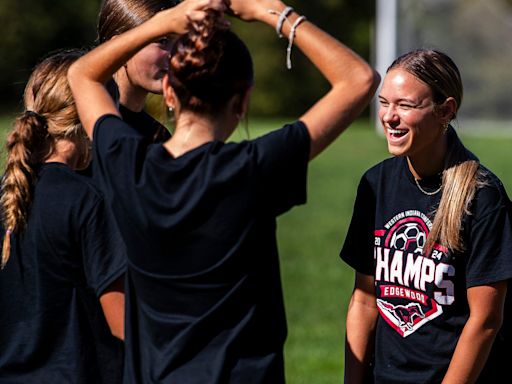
(52, 327)
(422, 299)
(204, 297)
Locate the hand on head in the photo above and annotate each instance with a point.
(191, 12)
(254, 9)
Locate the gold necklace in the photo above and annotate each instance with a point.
(426, 192)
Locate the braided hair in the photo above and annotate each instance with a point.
(50, 115)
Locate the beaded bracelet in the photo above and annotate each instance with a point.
(291, 37)
(283, 16)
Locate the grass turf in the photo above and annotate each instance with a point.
(317, 285)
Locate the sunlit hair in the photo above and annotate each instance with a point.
(118, 16)
(462, 173)
(50, 115)
(208, 66)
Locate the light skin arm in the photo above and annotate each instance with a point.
(486, 316)
(361, 322)
(353, 81)
(88, 75)
(112, 303)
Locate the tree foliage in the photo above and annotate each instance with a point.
(32, 29)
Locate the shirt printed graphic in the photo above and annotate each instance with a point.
(410, 287)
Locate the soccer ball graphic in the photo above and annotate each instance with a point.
(409, 237)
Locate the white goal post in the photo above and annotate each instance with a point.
(477, 34)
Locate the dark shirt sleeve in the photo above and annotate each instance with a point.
(489, 245)
(104, 255)
(282, 158)
(118, 154)
(357, 250)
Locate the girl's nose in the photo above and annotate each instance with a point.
(388, 113)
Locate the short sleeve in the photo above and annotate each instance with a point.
(282, 158)
(103, 250)
(490, 253)
(357, 250)
(118, 153)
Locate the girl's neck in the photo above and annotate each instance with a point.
(193, 130)
(430, 161)
(64, 152)
(130, 96)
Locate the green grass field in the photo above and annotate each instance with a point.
(317, 285)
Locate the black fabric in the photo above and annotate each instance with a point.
(422, 300)
(145, 124)
(52, 325)
(204, 297)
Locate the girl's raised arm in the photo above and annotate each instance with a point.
(88, 75)
(353, 81)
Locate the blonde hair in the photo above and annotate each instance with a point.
(462, 174)
(461, 178)
(50, 115)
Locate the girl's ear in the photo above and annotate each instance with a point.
(241, 103)
(246, 99)
(168, 92)
(448, 110)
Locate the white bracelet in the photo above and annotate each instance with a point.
(291, 37)
(282, 17)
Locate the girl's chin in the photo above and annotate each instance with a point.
(397, 150)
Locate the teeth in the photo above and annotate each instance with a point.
(397, 131)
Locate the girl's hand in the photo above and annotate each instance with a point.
(179, 18)
(251, 10)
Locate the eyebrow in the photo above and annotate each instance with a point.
(404, 99)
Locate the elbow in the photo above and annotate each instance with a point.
(363, 84)
(370, 82)
(72, 76)
(375, 81)
(118, 333)
(491, 324)
(494, 323)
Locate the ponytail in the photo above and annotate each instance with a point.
(26, 146)
(209, 65)
(461, 178)
(33, 136)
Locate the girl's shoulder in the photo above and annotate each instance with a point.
(490, 195)
(389, 168)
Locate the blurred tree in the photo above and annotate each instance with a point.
(31, 29)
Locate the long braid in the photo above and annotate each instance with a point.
(50, 116)
(25, 145)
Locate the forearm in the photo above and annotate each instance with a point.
(88, 74)
(486, 317)
(353, 81)
(359, 342)
(337, 62)
(102, 62)
(471, 352)
(113, 302)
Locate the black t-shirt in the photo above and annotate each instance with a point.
(421, 300)
(145, 124)
(52, 328)
(204, 297)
